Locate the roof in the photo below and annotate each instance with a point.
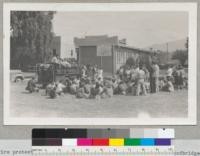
(104, 39)
(136, 49)
(96, 40)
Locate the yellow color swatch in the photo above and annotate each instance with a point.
(116, 142)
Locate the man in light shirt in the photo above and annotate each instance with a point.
(155, 77)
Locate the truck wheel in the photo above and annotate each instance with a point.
(18, 79)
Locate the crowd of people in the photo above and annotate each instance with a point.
(129, 80)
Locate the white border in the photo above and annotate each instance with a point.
(191, 8)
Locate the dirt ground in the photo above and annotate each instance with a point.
(163, 104)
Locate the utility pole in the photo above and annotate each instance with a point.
(101, 61)
(167, 53)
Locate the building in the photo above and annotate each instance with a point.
(109, 53)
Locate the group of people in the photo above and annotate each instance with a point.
(143, 79)
(175, 79)
(89, 84)
(133, 80)
(150, 80)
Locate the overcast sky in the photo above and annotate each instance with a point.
(141, 29)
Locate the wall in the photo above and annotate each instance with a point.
(88, 55)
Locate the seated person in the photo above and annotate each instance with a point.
(115, 85)
(60, 88)
(96, 90)
(162, 84)
(73, 88)
(80, 93)
(49, 87)
(169, 87)
(122, 88)
(31, 86)
(129, 86)
(87, 86)
(52, 93)
(76, 81)
(107, 91)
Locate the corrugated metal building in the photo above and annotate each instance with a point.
(109, 53)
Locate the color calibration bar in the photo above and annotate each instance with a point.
(102, 133)
(102, 142)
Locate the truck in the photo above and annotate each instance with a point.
(49, 72)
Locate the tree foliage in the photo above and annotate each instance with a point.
(131, 61)
(181, 55)
(142, 59)
(31, 36)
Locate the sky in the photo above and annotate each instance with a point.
(141, 29)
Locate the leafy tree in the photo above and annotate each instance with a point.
(131, 61)
(181, 55)
(31, 36)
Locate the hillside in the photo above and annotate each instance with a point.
(172, 45)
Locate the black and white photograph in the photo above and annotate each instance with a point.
(100, 64)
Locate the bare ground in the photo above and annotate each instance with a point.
(163, 104)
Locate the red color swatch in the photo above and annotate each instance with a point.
(100, 142)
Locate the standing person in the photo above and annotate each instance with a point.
(181, 76)
(155, 77)
(55, 59)
(147, 78)
(147, 75)
(121, 73)
(141, 87)
(95, 71)
(150, 69)
(55, 66)
(100, 74)
(175, 75)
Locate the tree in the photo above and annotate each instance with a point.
(31, 36)
(131, 61)
(181, 55)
